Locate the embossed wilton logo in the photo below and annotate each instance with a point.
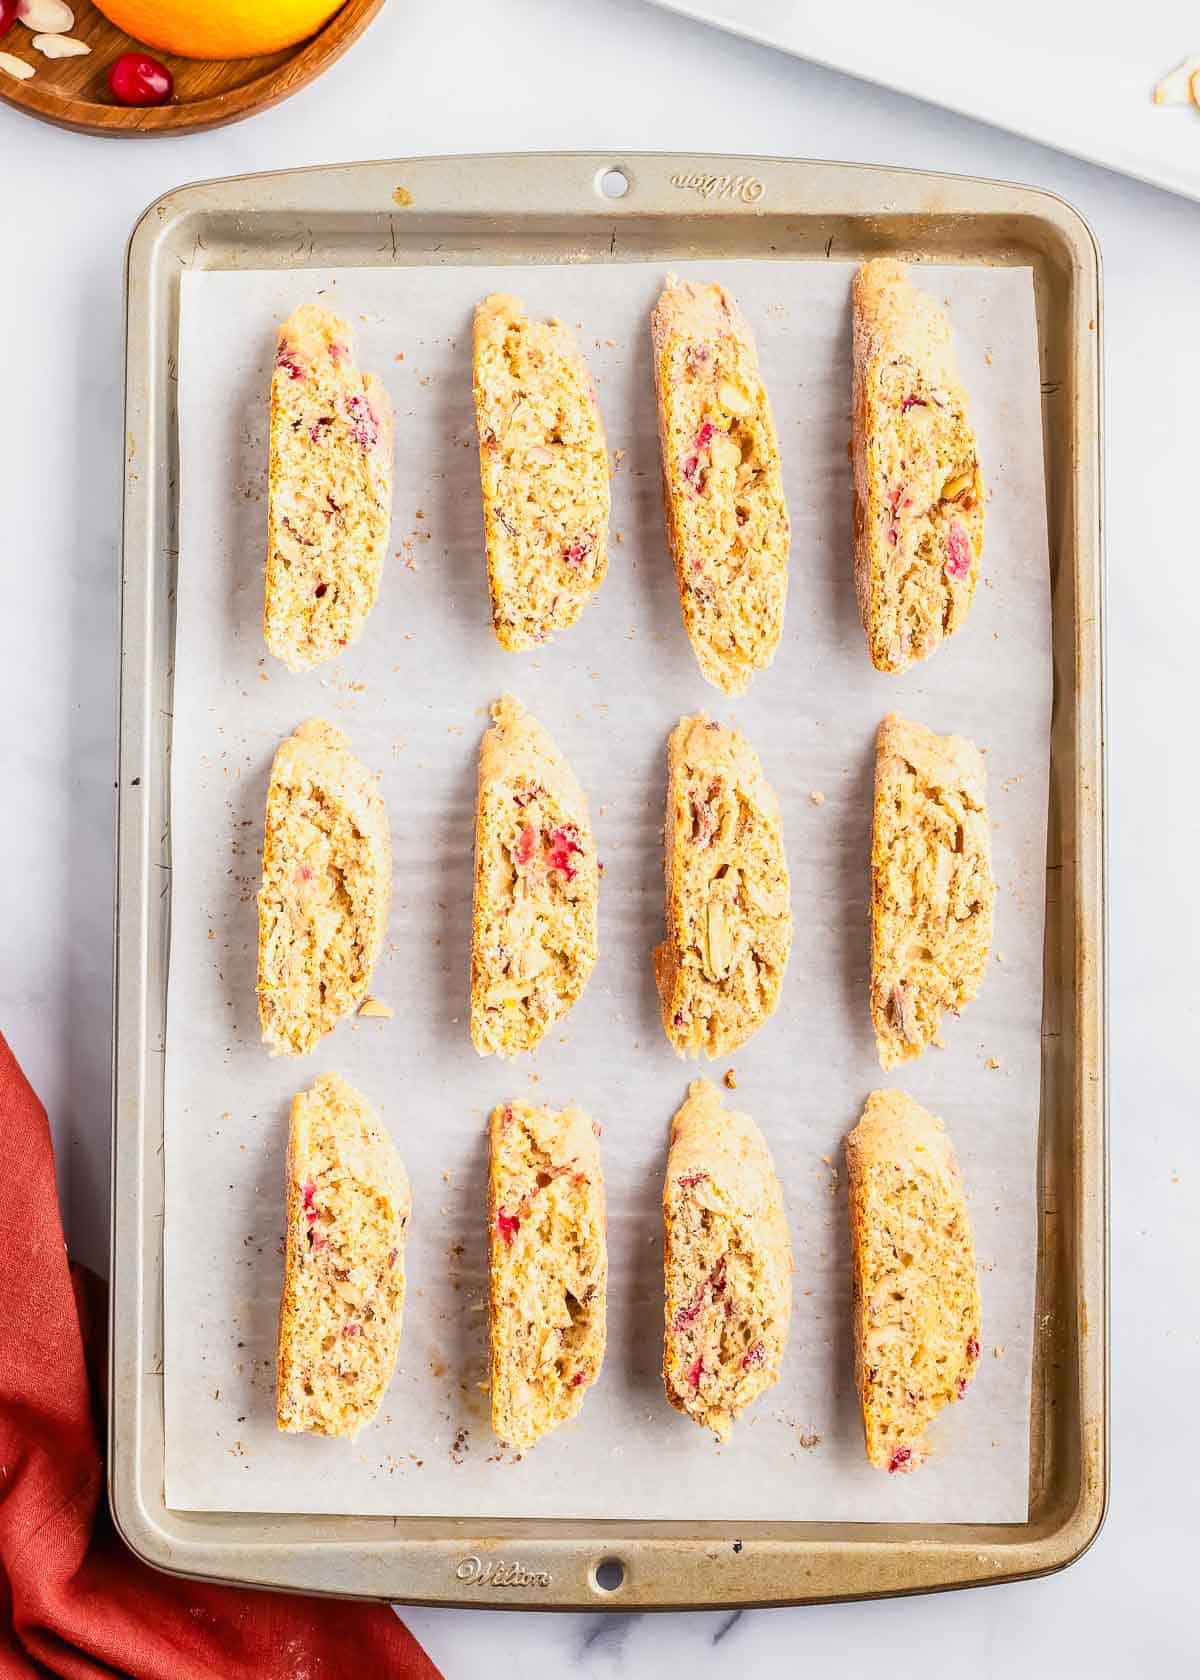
(496, 1573)
(746, 187)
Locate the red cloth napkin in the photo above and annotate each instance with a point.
(74, 1601)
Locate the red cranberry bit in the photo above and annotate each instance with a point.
(319, 591)
(912, 402)
(317, 1241)
(287, 359)
(972, 1348)
(310, 1190)
(958, 550)
(689, 1315)
(508, 1226)
(753, 1357)
(304, 874)
(718, 1279)
(337, 351)
(686, 1180)
(364, 427)
(137, 79)
(526, 844)
(960, 1388)
(350, 1329)
(577, 1379)
(901, 1459)
(691, 464)
(578, 552)
(563, 842)
(319, 430)
(695, 1372)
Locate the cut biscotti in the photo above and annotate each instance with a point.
(326, 888)
(918, 492)
(348, 1203)
(728, 902)
(544, 468)
(329, 494)
(915, 1290)
(728, 1263)
(932, 893)
(548, 1268)
(533, 940)
(727, 522)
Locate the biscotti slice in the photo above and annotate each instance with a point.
(932, 893)
(728, 1263)
(918, 492)
(326, 888)
(544, 468)
(348, 1203)
(915, 1290)
(533, 937)
(548, 1268)
(728, 912)
(329, 494)
(727, 522)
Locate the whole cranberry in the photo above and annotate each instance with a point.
(137, 79)
(8, 15)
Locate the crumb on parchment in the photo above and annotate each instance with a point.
(375, 1008)
(730, 1080)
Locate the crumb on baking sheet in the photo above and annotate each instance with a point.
(808, 1439)
(817, 797)
(730, 1080)
(993, 1062)
(375, 1008)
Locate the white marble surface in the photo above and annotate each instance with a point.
(530, 74)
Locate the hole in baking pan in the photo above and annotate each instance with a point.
(609, 1575)
(613, 183)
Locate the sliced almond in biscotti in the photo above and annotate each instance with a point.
(533, 942)
(918, 491)
(728, 899)
(544, 470)
(932, 892)
(348, 1204)
(915, 1288)
(727, 523)
(326, 888)
(329, 491)
(727, 1263)
(548, 1267)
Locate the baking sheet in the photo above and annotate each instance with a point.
(413, 697)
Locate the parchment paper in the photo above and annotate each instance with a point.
(413, 696)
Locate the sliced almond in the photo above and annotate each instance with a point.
(1194, 88)
(733, 399)
(956, 487)
(1175, 88)
(15, 67)
(60, 46)
(719, 941)
(46, 17)
(376, 1009)
(724, 452)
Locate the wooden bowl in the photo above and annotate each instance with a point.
(73, 92)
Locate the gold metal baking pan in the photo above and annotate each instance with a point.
(555, 208)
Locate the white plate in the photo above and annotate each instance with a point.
(1076, 75)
